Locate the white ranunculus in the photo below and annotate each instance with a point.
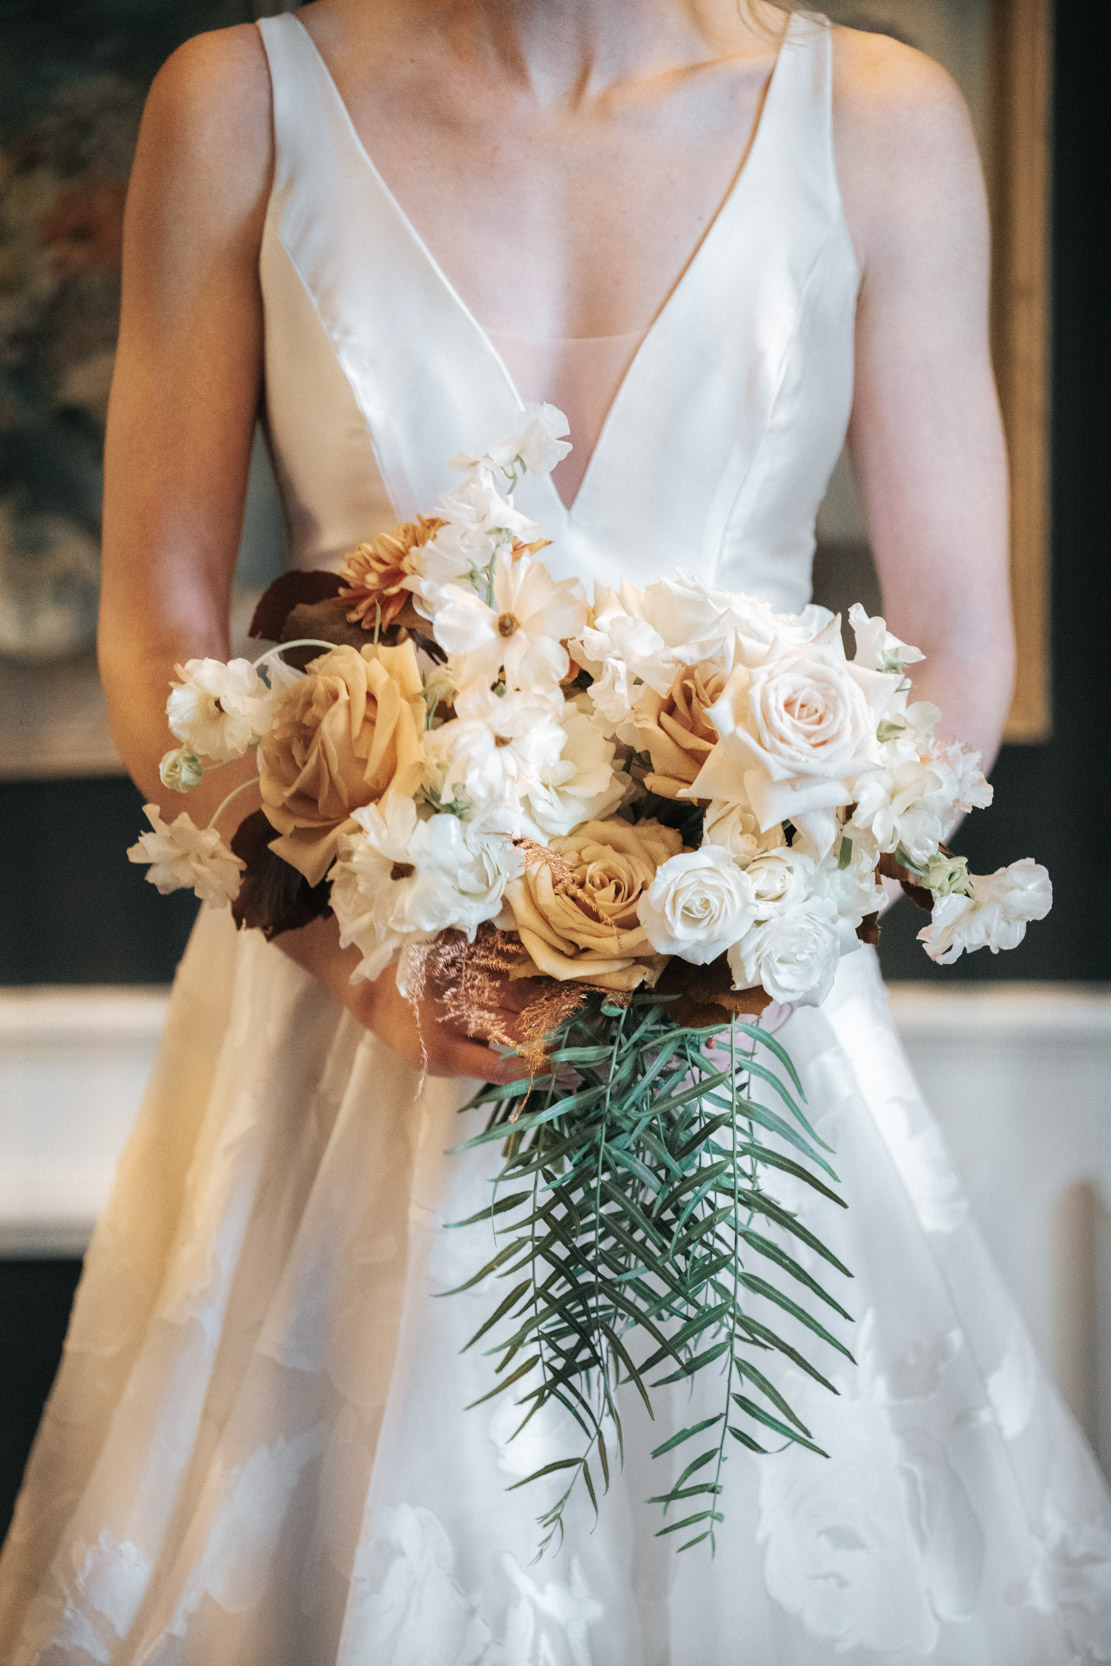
(876, 647)
(496, 750)
(782, 880)
(795, 734)
(219, 710)
(185, 857)
(402, 880)
(734, 826)
(698, 905)
(536, 448)
(521, 630)
(582, 785)
(994, 917)
(792, 956)
(181, 770)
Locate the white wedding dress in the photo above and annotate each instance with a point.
(256, 1452)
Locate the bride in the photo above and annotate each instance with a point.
(717, 235)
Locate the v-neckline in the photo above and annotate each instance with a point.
(563, 512)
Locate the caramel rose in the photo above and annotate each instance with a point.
(347, 734)
(577, 911)
(674, 729)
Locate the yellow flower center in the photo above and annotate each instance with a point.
(507, 624)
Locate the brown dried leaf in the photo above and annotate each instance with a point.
(706, 993)
(273, 896)
(290, 590)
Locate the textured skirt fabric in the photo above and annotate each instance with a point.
(257, 1454)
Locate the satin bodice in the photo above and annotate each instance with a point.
(719, 441)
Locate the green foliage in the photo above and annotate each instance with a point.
(633, 1232)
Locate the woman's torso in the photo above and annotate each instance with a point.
(731, 406)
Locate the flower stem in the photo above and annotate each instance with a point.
(301, 642)
(235, 792)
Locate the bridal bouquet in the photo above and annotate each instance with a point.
(668, 809)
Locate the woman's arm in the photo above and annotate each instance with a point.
(184, 402)
(926, 436)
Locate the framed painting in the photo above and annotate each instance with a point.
(72, 86)
(1000, 54)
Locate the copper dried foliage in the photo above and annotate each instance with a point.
(273, 896)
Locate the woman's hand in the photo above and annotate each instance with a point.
(419, 1031)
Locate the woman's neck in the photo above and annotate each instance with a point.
(565, 51)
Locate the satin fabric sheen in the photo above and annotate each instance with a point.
(256, 1452)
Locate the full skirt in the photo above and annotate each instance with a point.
(256, 1452)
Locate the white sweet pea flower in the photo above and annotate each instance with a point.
(734, 825)
(699, 904)
(582, 784)
(994, 916)
(496, 750)
(904, 804)
(185, 857)
(218, 709)
(535, 449)
(521, 630)
(792, 956)
(853, 889)
(972, 789)
(402, 880)
(795, 734)
(478, 521)
(876, 647)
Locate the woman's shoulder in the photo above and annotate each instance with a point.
(883, 88)
(205, 145)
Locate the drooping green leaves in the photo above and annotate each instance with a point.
(630, 1223)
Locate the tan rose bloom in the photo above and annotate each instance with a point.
(674, 729)
(346, 735)
(376, 572)
(577, 915)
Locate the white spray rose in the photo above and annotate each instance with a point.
(218, 709)
(994, 917)
(185, 857)
(792, 956)
(782, 880)
(402, 880)
(582, 784)
(698, 905)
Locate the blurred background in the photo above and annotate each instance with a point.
(1015, 1052)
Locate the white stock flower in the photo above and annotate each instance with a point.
(183, 856)
(496, 749)
(522, 628)
(699, 904)
(795, 733)
(402, 880)
(792, 956)
(582, 784)
(536, 448)
(218, 709)
(876, 647)
(994, 917)
(734, 826)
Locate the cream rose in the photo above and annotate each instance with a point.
(346, 734)
(699, 904)
(794, 733)
(734, 826)
(674, 728)
(781, 880)
(577, 916)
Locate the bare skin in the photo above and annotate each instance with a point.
(561, 161)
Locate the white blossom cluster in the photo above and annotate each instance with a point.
(543, 715)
